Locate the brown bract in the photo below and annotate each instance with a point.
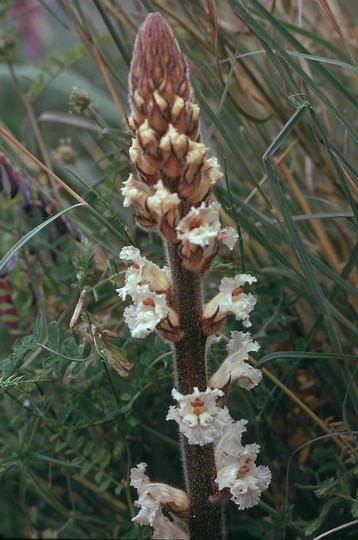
(158, 75)
(166, 151)
(157, 55)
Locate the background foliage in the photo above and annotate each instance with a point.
(275, 81)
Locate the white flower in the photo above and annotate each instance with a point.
(236, 468)
(227, 285)
(149, 287)
(162, 201)
(232, 299)
(135, 192)
(201, 225)
(164, 528)
(152, 498)
(230, 442)
(143, 272)
(246, 487)
(148, 311)
(164, 204)
(228, 236)
(234, 367)
(211, 172)
(198, 416)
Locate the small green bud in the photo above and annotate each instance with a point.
(79, 100)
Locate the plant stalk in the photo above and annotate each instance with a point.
(206, 521)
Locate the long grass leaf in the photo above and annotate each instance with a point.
(286, 130)
(302, 255)
(277, 50)
(315, 38)
(341, 283)
(311, 278)
(31, 234)
(302, 52)
(335, 163)
(301, 355)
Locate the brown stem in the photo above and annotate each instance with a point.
(206, 520)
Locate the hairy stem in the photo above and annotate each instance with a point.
(190, 370)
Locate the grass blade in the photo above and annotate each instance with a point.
(31, 234)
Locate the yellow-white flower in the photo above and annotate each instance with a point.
(232, 300)
(142, 272)
(228, 236)
(200, 226)
(198, 416)
(236, 468)
(149, 309)
(135, 192)
(152, 498)
(163, 201)
(234, 368)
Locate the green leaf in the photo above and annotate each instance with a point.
(131, 420)
(38, 329)
(98, 477)
(86, 468)
(86, 405)
(88, 448)
(125, 397)
(70, 347)
(79, 442)
(316, 523)
(53, 333)
(118, 490)
(22, 346)
(105, 484)
(50, 360)
(99, 455)
(60, 445)
(77, 460)
(354, 509)
(286, 130)
(48, 404)
(78, 368)
(105, 461)
(65, 411)
(146, 358)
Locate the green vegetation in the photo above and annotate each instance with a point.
(78, 409)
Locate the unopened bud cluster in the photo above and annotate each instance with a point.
(172, 195)
(175, 175)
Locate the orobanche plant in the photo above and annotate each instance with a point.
(172, 195)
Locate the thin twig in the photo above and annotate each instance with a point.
(331, 531)
(42, 166)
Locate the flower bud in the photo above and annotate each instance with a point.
(137, 193)
(158, 74)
